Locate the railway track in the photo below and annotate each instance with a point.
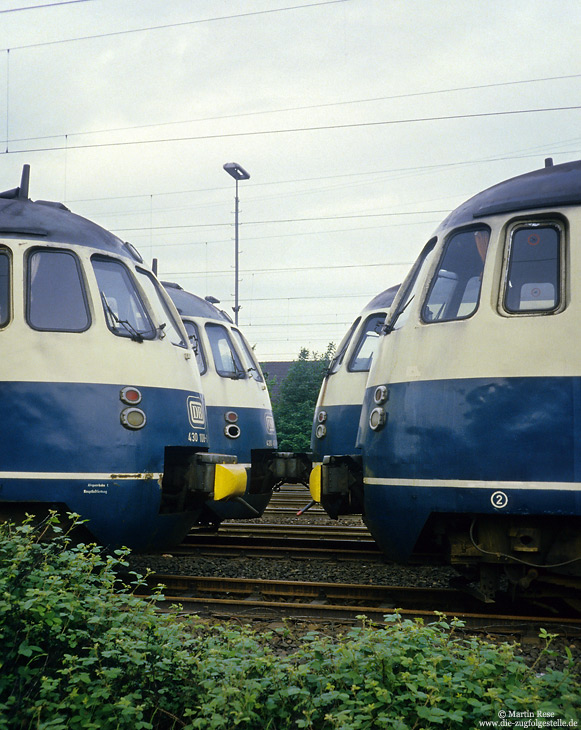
(265, 599)
(280, 546)
(273, 535)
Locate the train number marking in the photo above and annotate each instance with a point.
(499, 500)
(196, 437)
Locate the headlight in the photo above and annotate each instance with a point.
(377, 419)
(133, 418)
(381, 394)
(320, 431)
(232, 431)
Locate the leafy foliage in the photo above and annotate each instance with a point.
(80, 650)
(294, 405)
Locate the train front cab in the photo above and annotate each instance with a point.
(336, 419)
(470, 422)
(103, 410)
(240, 419)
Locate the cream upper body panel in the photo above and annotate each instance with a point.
(95, 354)
(491, 342)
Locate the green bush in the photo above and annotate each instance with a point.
(79, 649)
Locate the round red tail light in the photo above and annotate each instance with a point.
(130, 395)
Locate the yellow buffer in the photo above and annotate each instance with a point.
(229, 481)
(315, 483)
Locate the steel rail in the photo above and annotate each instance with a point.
(250, 598)
(281, 547)
(268, 529)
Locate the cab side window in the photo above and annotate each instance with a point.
(124, 310)
(4, 288)
(534, 266)
(455, 289)
(194, 337)
(169, 326)
(337, 361)
(56, 299)
(226, 359)
(250, 363)
(367, 343)
(410, 288)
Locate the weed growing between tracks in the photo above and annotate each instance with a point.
(78, 649)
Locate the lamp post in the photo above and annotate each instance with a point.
(238, 173)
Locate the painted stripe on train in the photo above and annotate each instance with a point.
(465, 483)
(46, 476)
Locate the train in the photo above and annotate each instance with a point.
(103, 407)
(240, 419)
(469, 427)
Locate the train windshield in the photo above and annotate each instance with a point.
(249, 361)
(226, 359)
(124, 310)
(168, 325)
(367, 343)
(4, 288)
(337, 361)
(194, 337)
(455, 289)
(56, 300)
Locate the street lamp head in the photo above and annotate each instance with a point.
(236, 170)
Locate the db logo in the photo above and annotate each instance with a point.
(196, 412)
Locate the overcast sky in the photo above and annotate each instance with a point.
(361, 122)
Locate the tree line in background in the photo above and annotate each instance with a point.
(293, 402)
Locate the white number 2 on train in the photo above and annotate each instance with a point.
(499, 500)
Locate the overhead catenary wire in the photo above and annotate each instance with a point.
(309, 107)
(166, 26)
(294, 130)
(44, 6)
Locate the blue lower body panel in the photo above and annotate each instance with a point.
(342, 423)
(513, 444)
(397, 514)
(119, 513)
(63, 443)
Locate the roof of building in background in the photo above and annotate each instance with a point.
(275, 373)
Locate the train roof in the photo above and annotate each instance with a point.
(551, 186)
(54, 222)
(383, 300)
(191, 305)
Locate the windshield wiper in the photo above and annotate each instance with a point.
(387, 328)
(133, 333)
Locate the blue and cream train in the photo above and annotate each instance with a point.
(240, 419)
(470, 429)
(103, 411)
